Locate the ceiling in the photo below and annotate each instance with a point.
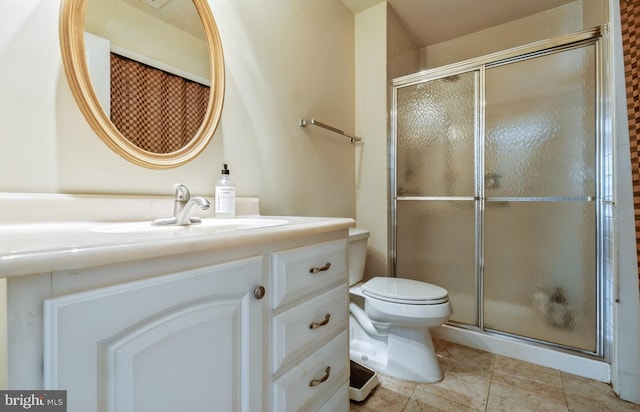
(429, 21)
(435, 21)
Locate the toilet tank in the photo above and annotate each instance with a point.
(357, 254)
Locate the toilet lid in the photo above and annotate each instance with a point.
(405, 291)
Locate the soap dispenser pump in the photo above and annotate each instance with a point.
(225, 196)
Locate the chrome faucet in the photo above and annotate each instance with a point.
(182, 206)
(183, 218)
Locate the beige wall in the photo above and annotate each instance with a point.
(371, 124)
(284, 60)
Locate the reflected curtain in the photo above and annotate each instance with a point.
(157, 111)
(630, 42)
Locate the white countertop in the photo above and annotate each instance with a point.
(46, 247)
(30, 247)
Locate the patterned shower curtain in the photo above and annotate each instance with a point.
(629, 18)
(157, 111)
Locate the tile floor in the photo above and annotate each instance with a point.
(480, 381)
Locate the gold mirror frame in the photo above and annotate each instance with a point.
(72, 13)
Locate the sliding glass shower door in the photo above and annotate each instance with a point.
(495, 171)
(436, 188)
(540, 190)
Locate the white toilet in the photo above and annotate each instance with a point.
(391, 334)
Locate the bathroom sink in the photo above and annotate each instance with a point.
(207, 225)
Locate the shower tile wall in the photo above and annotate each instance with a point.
(569, 18)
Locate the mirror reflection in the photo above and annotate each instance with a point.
(149, 65)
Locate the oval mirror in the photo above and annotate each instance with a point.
(132, 113)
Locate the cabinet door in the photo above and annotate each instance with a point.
(189, 341)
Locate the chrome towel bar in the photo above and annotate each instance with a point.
(353, 139)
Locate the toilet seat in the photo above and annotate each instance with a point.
(404, 291)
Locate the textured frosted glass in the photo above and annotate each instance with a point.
(435, 137)
(540, 126)
(435, 244)
(540, 271)
(539, 261)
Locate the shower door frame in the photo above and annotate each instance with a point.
(605, 246)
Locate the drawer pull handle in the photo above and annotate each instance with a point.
(316, 382)
(316, 325)
(259, 292)
(322, 269)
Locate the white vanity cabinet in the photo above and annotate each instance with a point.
(187, 341)
(310, 343)
(244, 320)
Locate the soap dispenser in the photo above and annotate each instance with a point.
(225, 196)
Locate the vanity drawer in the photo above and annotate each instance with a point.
(339, 402)
(314, 381)
(297, 272)
(314, 321)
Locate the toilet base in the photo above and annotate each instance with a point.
(405, 353)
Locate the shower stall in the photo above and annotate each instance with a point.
(500, 180)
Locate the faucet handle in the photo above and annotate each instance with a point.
(182, 193)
